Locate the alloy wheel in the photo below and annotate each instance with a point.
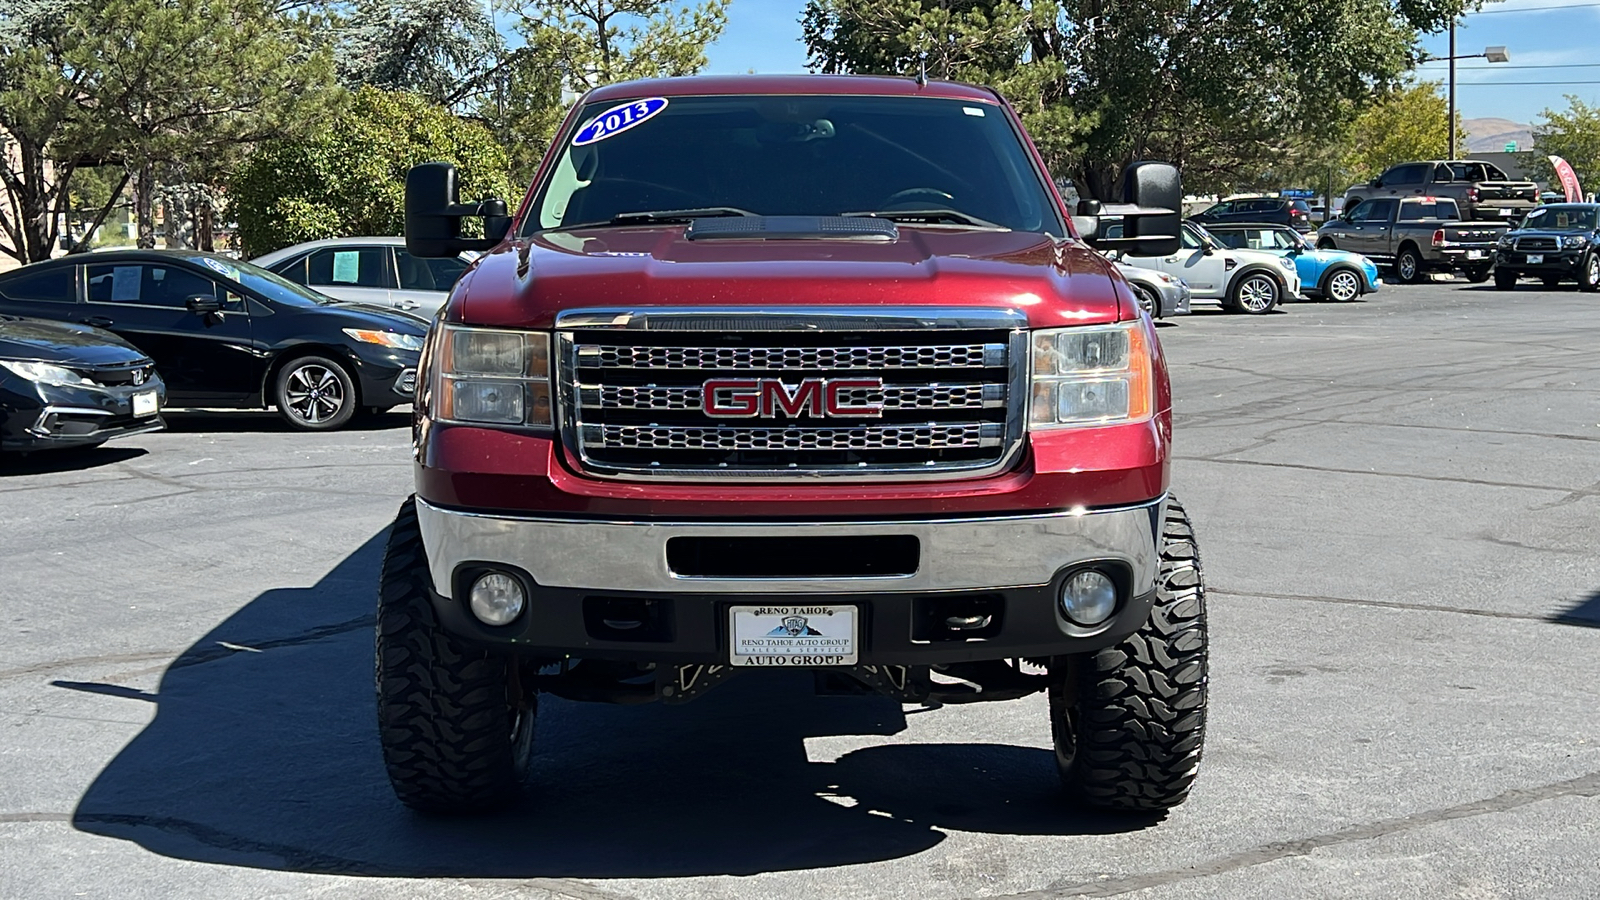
(1344, 286)
(1408, 267)
(314, 393)
(1257, 294)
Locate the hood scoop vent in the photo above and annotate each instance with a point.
(791, 228)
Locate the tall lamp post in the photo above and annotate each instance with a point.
(1489, 54)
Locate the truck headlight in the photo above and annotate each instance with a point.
(1505, 242)
(45, 373)
(1574, 240)
(492, 377)
(1094, 375)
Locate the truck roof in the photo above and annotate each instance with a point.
(875, 85)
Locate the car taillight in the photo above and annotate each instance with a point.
(1438, 238)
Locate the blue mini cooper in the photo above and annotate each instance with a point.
(1324, 274)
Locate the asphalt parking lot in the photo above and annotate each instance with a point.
(1397, 502)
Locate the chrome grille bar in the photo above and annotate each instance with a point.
(925, 436)
(892, 397)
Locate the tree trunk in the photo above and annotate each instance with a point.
(204, 229)
(144, 188)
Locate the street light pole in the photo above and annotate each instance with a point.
(1451, 121)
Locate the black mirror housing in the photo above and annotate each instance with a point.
(434, 212)
(202, 304)
(1151, 212)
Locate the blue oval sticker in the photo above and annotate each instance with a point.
(618, 119)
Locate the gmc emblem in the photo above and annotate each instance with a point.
(746, 398)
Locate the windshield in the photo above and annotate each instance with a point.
(268, 284)
(958, 162)
(1561, 218)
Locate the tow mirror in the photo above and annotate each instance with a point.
(202, 304)
(434, 212)
(1151, 211)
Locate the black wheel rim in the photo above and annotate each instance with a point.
(313, 393)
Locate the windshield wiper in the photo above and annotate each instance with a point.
(678, 215)
(928, 216)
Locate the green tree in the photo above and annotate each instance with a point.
(1223, 88)
(1407, 124)
(572, 46)
(348, 178)
(149, 85)
(441, 49)
(1573, 135)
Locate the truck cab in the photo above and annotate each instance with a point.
(806, 374)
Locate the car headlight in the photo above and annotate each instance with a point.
(389, 339)
(1165, 278)
(1505, 242)
(1286, 263)
(1574, 240)
(1093, 375)
(492, 377)
(45, 373)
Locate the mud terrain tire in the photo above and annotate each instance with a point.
(1129, 721)
(454, 738)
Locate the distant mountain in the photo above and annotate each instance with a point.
(1492, 135)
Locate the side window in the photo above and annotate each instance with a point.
(294, 270)
(427, 274)
(1442, 172)
(53, 285)
(1490, 173)
(1405, 175)
(1234, 239)
(348, 267)
(1359, 212)
(146, 285)
(1378, 210)
(1190, 241)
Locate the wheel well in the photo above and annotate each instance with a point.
(1149, 294)
(1247, 271)
(300, 351)
(1409, 244)
(1342, 267)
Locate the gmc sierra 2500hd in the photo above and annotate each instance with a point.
(778, 373)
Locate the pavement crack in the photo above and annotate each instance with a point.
(1571, 494)
(1556, 619)
(1582, 786)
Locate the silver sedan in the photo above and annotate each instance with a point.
(1159, 293)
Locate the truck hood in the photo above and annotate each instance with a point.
(525, 283)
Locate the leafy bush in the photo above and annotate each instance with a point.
(349, 177)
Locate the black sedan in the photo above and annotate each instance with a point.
(72, 386)
(224, 333)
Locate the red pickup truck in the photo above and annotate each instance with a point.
(791, 373)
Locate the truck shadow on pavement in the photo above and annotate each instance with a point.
(263, 753)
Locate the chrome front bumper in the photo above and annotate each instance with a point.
(956, 554)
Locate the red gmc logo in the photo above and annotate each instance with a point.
(746, 398)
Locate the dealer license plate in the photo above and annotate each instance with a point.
(1475, 254)
(144, 404)
(1535, 258)
(793, 636)
(1507, 211)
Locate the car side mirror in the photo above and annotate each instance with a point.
(202, 304)
(434, 212)
(1376, 182)
(1151, 211)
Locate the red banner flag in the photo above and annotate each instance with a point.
(1569, 179)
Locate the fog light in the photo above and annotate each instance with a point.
(1088, 597)
(497, 598)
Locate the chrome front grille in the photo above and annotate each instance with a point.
(1536, 243)
(634, 388)
(789, 358)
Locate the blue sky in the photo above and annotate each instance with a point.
(1549, 41)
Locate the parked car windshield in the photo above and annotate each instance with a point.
(795, 155)
(1561, 218)
(268, 284)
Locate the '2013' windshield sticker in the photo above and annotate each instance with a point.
(618, 119)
